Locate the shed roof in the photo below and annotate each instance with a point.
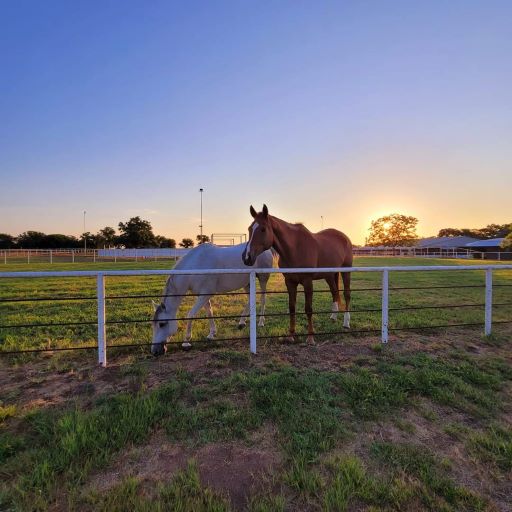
(493, 242)
(445, 242)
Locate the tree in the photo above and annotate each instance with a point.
(7, 241)
(58, 241)
(507, 241)
(136, 233)
(31, 240)
(106, 237)
(495, 230)
(163, 242)
(450, 232)
(90, 238)
(186, 243)
(202, 239)
(393, 230)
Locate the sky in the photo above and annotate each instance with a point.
(343, 111)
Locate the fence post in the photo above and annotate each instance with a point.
(102, 337)
(385, 304)
(488, 301)
(72, 256)
(252, 311)
(5, 257)
(51, 256)
(94, 256)
(28, 256)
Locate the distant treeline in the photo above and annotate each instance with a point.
(490, 231)
(135, 233)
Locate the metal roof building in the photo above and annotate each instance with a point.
(445, 242)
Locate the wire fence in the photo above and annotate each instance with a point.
(384, 310)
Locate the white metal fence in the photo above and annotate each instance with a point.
(101, 275)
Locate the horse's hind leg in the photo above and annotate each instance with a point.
(308, 292)
(263, 278)
(213, 328)
(346, 294)
(243, 317)
(334, 285)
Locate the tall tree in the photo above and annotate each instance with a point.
(202, 239)
(136, 233)
(393, 230)
(186, 243)
(106, 237)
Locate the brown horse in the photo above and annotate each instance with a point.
(298, 247)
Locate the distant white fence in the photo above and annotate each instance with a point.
(87, 255)
(100, 289)
(82, 255)
(142, 253)
(456, 253)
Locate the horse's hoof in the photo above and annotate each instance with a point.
(333, 317)
(310, 340)
(290, 339)
(186, 345)
(210, 337)
(261, 322)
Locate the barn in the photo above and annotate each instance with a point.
(444, 245)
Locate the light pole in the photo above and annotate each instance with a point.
(322, 217)
(201, 225)
(85, 236)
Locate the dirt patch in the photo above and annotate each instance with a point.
(235, 469)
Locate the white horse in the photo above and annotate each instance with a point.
(204, 256)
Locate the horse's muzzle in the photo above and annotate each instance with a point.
(246, 258)
(158, 349)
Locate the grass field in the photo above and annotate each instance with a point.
(423, 423)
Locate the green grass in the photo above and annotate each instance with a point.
(314, 412)
(493, 445)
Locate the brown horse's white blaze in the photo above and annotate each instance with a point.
(299, 248)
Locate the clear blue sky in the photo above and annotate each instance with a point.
(346, 110)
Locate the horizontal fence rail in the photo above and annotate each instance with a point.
(102, 298)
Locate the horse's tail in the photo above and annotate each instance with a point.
(275, 256)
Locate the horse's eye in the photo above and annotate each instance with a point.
(263, 230)
(162, 324)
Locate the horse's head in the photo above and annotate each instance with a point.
(163, 328)
(261, 236)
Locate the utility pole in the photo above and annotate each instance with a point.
(85, 236)
(201, 225)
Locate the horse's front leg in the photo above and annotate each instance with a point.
(291, 286)
(213, 328)
(263, 286)
(308, 292)
(200, 302)
(243, 317)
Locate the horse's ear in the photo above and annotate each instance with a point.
(154, 304)
(163, 305)
(265, 210)
(253, 212)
